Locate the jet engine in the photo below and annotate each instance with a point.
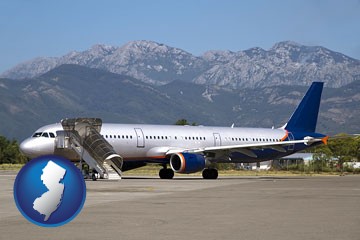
(187, 162)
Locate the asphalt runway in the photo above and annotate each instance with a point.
(193, 208)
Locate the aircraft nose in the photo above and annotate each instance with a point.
(27, 147)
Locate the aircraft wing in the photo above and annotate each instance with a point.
(247, 148)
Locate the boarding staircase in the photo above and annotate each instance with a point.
(82, 136)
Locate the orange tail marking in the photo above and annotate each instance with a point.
(286, 135)
(325, 140)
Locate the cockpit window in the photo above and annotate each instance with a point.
(37, 134)
(45, 134)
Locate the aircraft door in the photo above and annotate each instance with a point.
(217, 139)
(140, 137)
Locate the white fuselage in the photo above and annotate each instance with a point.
(142, 142)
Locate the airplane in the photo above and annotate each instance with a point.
(190, 149)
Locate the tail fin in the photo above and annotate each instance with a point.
(304, 118)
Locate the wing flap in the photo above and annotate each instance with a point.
(278, 146)
(246, 148)
(254, 145)
(247, 152)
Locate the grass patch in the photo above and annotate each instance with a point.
(153, 170)
(12, 167)
(148, 170)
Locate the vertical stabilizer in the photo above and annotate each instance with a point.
(305, 117)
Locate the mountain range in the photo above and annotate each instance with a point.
(72, 90)
(286, 63)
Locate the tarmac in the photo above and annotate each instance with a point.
(193, 208)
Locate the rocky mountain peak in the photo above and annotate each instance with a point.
(309, 54)
(155, 63)
(145, 46)
(287, 45)
(102, 49)
(218, 56)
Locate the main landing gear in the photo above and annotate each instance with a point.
(207, 173)
(210, 173)
(166, 173)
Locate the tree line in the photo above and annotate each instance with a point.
(340, 149)
(10, 152)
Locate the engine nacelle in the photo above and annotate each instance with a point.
(187, 162)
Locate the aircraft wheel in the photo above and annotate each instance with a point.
(214, 173)
(166, 173)
(93, 177)
(205, 173)
(210, 173)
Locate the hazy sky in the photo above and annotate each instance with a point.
(29, 29)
